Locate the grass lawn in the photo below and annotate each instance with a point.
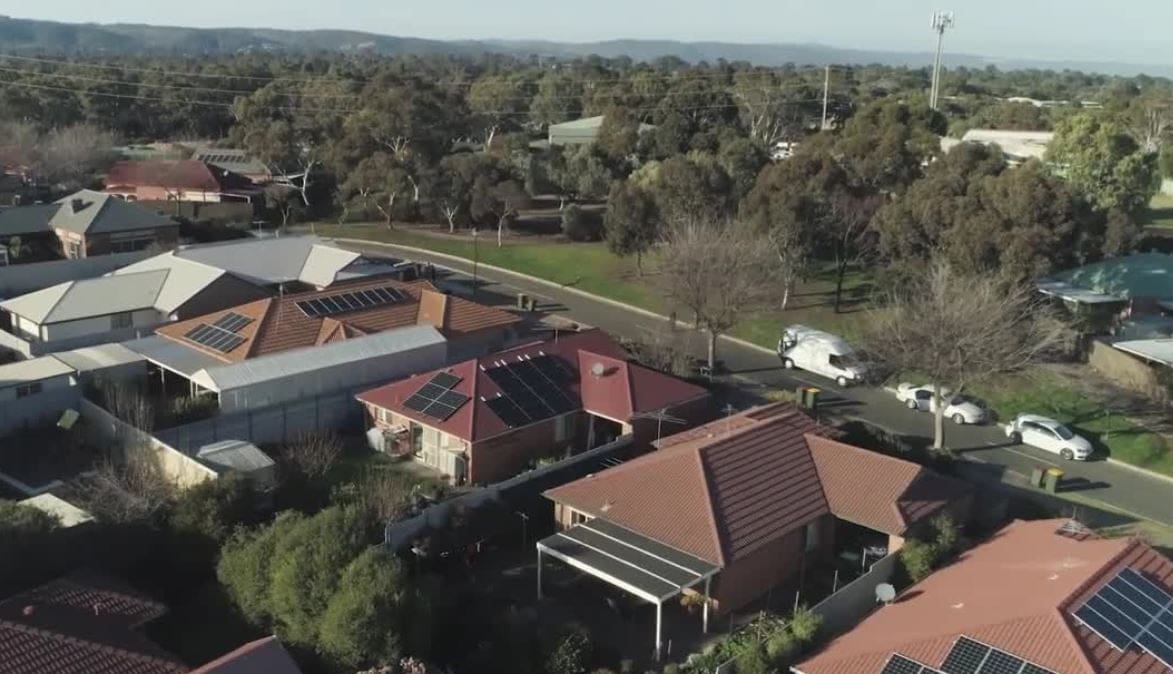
(1052, 395)
(1161, 211)
(590, 267)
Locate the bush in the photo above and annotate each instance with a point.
(180, 411)
(781, 647)
(578, 225)
(804, 625)
(363, 621)
(751, 659)
(571, 653)
(948, 534)
(214, 508)
(672, 668)
(918, 559)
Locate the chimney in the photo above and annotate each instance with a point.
(76, 205)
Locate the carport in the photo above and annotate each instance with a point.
(631, 562)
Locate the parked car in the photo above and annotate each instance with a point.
(821, 353)
(1049, 435)
(959, 409)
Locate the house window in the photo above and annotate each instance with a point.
(25, 390)
(72, 249)
(812, 536)
(577, 518)
(121, 321)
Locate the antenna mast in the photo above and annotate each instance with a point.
(941, 22)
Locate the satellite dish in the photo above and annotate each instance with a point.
(598, 369)
(885, 593)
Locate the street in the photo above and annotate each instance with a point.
(1133, 492)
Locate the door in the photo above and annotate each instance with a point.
(924, 401)
(1037, 436)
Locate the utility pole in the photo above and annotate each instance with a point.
(826, 92)
(941, 22)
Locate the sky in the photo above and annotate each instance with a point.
(1086, 30)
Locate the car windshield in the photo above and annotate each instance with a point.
(1063, 432)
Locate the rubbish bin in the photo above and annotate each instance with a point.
(1052, 479)
(1036, 476)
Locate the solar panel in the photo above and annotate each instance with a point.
(214, 337)
(972, 657)
(507, 411)
(445, 380)
(536, 386)
(899, 664)
(232, 321)
(436, 398)
(1131, 609)
(351, 300)
(417, 402)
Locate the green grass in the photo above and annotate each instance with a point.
(1161, 211)
(1051, 395)
(590, 267)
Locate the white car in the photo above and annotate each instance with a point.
(920, 398)
(1049, 435)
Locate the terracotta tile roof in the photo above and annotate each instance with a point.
(723, 490)
(278, 324)
(80, 624)
(1013, 592)
(610, 395)
(185, 174)
(880, 492)
(263, 656)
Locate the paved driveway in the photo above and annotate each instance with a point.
(1119, 487)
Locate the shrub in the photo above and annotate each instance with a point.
(751, 659)
(948, 534)
(180, 411)
(214, 508)
(781, 647)
(672, 668)
(571, 653)
(578, 225)
(918, 558)
(804, 625)
(312, 454)
(363, 621)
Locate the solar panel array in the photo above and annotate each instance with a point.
(232, 321)
(214, 338)
(1131, 609)
(352, 300)
(436, 398)
(967, 657)
(532, 389)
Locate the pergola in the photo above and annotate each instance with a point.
(631, 562)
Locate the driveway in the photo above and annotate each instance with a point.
(1133, 492)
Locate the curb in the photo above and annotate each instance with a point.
(1138, 469)
(551, 284)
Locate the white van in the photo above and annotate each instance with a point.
(821, 353)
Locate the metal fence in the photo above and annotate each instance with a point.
(277, 423)
(856, 599)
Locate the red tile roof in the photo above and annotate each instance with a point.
(623, 388)
(263, 656)
(80, 624)
(723, 490)
(1013, 592)
(278, 324)
(183, 174)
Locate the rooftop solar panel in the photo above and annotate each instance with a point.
(213, 337)
(351, 300)
(1131, 609)
(436, 398)
(507, 412)
(898, 664)
(972, 657)
(232, 321)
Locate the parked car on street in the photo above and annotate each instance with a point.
(957, 408)
(821, 353)
(1050, 435)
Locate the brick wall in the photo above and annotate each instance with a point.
(504, 456)
(751, 577)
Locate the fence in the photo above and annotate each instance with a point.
(1124, 369)
(856, 599)
(45, 407)
(277, 423)
(521, 492)
(102, 426)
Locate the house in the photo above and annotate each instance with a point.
(1041, 597)
(736, 507)
(178, 180)
(87, 223)
(582, 131)
(88, 623)
(486, 419)
(308, 344)
(235, 160)
(1018, 146)
(187, 282)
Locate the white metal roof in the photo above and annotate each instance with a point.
(69, 514)
(98, 357)
(1156, 350)
(224, 377)
(234, 455)
(1067, 291)
(35, 369)
(100, 296)
(172, 355)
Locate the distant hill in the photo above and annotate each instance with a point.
(26, 35)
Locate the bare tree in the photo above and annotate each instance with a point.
(72, 155)
(388, 496)
(313, 454)
(128, 403)
(20, 144)
(959, 330)
(721, 272)
(128, 488)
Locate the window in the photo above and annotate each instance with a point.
(577, 518)
(923, 395)
(25, 390)
(812, 535)
(121, 321)
(72, 249)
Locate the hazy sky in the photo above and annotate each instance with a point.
(1058, 29)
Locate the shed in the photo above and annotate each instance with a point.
(241, 456)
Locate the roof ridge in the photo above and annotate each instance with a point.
(1057, 614)
(712, 519)
(262, 325)
(101, 209)
(1129, 545)
(60, 298)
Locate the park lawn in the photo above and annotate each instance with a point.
(590, 267)
(1049, 394)
(1161, 211)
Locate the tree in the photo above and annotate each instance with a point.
(285, 200)
(618, 134)
(578, 173)
(958, 330)
(578, 225)
(772, 110)
(720, 272)
(918, 558)
(498, 103)
(1102, 161)
(742, 160)
(26, 535)
(245, 568)
(691, 188)
(502, 200)
(307, 567)
(213, 509)
(312, 454)
(364, 619)
(379, 182)
(631, 223)
(73, 155)
(558, 99)
(129, 486)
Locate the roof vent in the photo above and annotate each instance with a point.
(606, 506)
(28, 611)
(885, 593)
(75, 205)
(598, 369)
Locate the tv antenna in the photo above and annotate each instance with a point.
(941, 22)
(661, 415)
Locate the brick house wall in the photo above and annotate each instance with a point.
(501, 457)
(106, 243)
(753, 576)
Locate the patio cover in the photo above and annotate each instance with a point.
(627, 560)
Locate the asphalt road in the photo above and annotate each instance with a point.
(1133, 492)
